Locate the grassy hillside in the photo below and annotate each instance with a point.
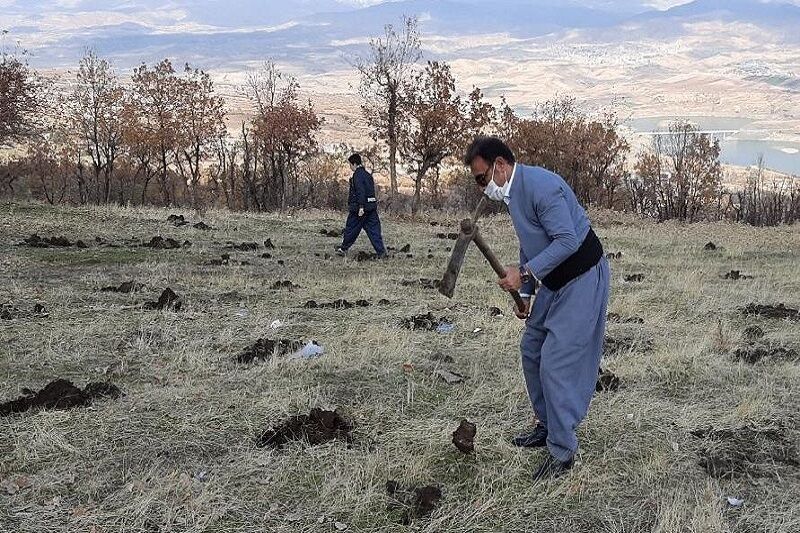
(690, 425)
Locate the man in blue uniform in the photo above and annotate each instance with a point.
(363, 210)
(563, 340)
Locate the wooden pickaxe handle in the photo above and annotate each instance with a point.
(497, 266)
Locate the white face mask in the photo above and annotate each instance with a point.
(495, 192)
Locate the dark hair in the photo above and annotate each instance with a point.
(355, 159)
(488, 149)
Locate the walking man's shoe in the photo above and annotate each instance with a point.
(341, 252)
(552, 468)
(533, 439)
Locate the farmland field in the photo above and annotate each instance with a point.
(706, 408)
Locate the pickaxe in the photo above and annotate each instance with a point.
(469, 233)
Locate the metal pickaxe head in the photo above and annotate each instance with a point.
(448, 284)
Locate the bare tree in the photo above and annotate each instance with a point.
(385, 72)
(681, 175)
(95, 112)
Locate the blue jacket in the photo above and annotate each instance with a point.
(548, 219)
(362, 191)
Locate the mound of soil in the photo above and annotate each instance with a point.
(284, 284)
(612, 255)
(496, 312)
(315, 428)
(9, 312)
(426, 322)
(464, 437)
(616, 345)
(178, 220)
(753, 333)
(168, 300)
(269, 245)
(779, 311)
(266, 349)
(607, 381)
(34, 241)
(334, 233)
(634, 278)
(202, 226)
(243, 247)
(758, 352)
(747, 451)
(126, 287)
(710, 247)
(225, 259)
(425, 283)
(160, 243)
(447, 236)
(363, 256)
(736, 275)
(415, 502)
(622, 319)
(336, 304)
(59, 395)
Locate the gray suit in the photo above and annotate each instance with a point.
(563, 341)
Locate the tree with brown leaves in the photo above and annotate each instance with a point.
(440, 122)
(21, 98)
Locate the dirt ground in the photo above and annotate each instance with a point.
(690, 426)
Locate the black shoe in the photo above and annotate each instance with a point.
(552, 468)
(534, 439)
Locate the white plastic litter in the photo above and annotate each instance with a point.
(312, 350)
(276, 324)
(735, 502)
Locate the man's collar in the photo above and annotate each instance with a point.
(510, 183)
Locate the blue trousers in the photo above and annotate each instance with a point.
(369, 223)
(561, 350)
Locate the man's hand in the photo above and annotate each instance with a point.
(360, 212)
(526, 314)
(511, 281)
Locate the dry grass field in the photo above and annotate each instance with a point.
(695, 420)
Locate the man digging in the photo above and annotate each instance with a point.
(563, 340)
(363, 208)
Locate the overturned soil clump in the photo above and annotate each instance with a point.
(748, 451)
(607, 381)
(464, 437)
(736, 275)
(9, 312)
(168, 300)
(710, 247)
(447, 236)
(178, 220)
(202, 226)
(623, 319)
(160, 243)
(59, 395)
(753, 333)
(284, 285)
(612, 255)
(426, 322)
(315, 428)
(425, 283)
(336, 304)
(779, 311)
(634, 278)
(243, 247)
(126, 287)
(34, 241)
(759, 352)
(620, 345)
(333, 233)
(266, 349)
(414, 502)
(363, 256)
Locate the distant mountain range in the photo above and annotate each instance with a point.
(216, 32)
